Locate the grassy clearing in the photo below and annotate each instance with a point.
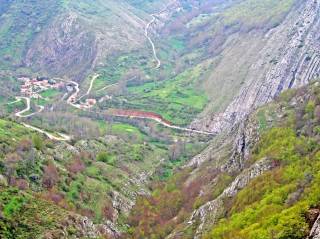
(50, 93)
(121, 129)
(252, 12)
(24, 216)
(127, 129)
(178, 99)
(11, 131)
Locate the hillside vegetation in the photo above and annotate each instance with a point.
(96, 178)
(277, 204)
(171, 119)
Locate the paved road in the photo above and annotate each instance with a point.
(73, 98)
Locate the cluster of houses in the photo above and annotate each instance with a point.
(89, 103)
(31, 87)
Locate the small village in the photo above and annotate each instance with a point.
(89, 103)
(32, 87)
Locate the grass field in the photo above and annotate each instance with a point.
(178, 99)
(253, 13)
(50, 93)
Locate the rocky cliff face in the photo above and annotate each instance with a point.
(315, 231)
(212, 210)
(289, 58)
(234, 155)
(229, 154)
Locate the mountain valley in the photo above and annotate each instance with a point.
(159, 119)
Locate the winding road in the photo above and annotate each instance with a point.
(157, 118)
(20, 114)
(73, 98)
(63, 137)
(183, 129)
(146, 33)
(90, 87)
(160, 120)
(28, 107)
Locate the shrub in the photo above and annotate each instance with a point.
(310, 107)
(50, 176)
(106, 158)
(76, 166)
(37, 142)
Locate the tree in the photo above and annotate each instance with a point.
(310, 107)
(105, 157)
(37, 142)
(76, 166)
(317, 113)
(50, 176)
(11, 164)
(108, 210)
(24, 145)
(176, 150)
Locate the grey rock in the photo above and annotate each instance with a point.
(295, 62)
(3, 181)
(315, 231)
(209, 212)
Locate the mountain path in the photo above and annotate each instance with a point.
(162, 122)
(90, 87)
(28, 107)
(146, 33)
(63, 137)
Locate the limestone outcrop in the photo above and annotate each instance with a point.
(289, 58)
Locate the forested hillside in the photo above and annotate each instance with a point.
(274, 195)
(159, 118)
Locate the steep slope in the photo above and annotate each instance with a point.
(285, 56)
(83, 35)
(96, 179)
(85, 177)
(68, 38)
(216, 61)
(209, 49)
(24, 215)
(262, 180)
